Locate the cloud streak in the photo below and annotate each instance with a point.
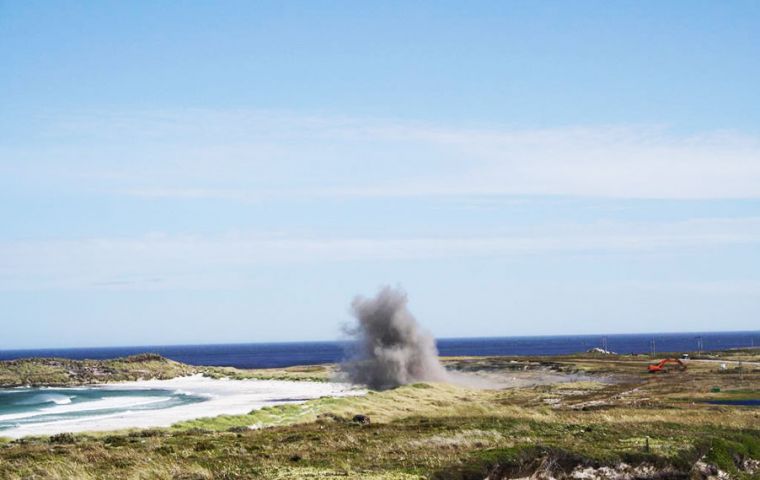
(251, 155)
(121, 262)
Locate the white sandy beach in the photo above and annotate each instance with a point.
(232, 397)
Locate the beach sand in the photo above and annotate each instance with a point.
(232, 397)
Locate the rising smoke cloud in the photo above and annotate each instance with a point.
(389, 347)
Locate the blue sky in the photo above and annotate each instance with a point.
(197, 172)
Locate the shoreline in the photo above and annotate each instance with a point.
(225, 397)
(646, 425)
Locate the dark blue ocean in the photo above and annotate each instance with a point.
(268, 355)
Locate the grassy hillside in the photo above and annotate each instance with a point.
(312, 373)
(656, 426)
(65, 372)
(61, 372)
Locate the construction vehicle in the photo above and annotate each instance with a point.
(661, 366)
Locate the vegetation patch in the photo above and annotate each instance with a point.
(429, 430)
(61, 372)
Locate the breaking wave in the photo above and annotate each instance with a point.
(43, 398)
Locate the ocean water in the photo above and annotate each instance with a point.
(23, 407)
(147, 403)
(270, 355)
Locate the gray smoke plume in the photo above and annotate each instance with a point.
(390, 348)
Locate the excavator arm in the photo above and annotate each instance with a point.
(660, 366)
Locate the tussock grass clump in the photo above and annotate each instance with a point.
(62, 438)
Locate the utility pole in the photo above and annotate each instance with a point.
(700, 344)
(604, 344)
(652, 348)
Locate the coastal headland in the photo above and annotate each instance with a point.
(589, 415)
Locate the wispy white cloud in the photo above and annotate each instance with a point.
(249, 155)
(167, 261)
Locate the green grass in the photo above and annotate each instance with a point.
(62, 372)
(65, 372)
(427, 431)
(411, 447)
(723, 451)
(312, 373)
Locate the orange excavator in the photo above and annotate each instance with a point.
(661, 365)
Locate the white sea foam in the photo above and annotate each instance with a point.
(232, 397)
(56, 398)
(94, 406)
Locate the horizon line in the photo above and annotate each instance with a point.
(286, 342)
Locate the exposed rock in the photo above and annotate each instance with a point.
(361, 419)
(750, 466)
(706, 471)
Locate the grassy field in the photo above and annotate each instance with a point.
(61, 372)
(651, 426)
